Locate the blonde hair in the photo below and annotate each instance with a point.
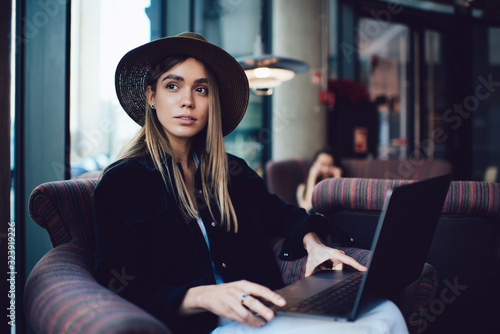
(208, 145)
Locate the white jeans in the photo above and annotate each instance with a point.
(381, 316)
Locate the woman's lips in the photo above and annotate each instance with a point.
(185, 119)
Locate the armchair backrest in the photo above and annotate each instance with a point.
(363, 198)
(284, 176)
(466, 198)
(65, 210)
(395, 169)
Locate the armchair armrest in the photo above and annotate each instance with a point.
(62, 296)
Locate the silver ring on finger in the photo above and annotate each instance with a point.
(243, 297)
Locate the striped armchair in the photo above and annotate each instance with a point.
(465, 250)
(62, 295)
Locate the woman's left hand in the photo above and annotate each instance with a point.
(319, 255)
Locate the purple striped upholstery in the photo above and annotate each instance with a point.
(473, 199)
(418, 296)
(290, 270)
(352, 193)
(470, 198)
(62, 296)
(64, 209)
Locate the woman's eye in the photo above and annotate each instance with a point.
(202, 90)
(171, 86)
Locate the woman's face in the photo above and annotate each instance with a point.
(181, 100)
(326, 165)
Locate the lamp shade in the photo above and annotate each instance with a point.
(267, 71)
(265, 77)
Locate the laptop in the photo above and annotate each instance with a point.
(399, 249)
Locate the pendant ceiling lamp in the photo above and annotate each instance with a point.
(265, 71)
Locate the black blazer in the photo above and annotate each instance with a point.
(147, 252)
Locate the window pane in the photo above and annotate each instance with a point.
(435, 96)
(485, 104)
(234, 26)
(101, 33)
(383, 56)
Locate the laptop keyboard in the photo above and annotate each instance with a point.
(338, 299)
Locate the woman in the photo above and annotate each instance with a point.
(322, 167)
(183, 224)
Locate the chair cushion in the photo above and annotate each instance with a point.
(65, 210)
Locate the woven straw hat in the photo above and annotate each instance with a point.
(130, 76)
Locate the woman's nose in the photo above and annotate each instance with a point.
(187, 100)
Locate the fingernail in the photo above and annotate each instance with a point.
(269, 314)
(281, 301)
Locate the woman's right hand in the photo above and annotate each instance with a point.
(237, 301)
(314, 173)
